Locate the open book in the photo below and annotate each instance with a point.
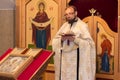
(67, 34)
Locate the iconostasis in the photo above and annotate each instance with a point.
(27, 16)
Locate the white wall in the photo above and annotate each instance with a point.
(7, 4)
(7, 25)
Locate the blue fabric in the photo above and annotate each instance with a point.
(41, 39)
(105, 63)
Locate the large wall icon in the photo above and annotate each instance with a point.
(41, 22)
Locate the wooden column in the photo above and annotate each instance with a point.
(20, 23)
(118, 39)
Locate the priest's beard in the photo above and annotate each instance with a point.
(72, 21)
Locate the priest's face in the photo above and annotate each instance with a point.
(70, 14)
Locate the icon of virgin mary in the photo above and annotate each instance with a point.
(41, 29)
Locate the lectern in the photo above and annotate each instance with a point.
(24, 63)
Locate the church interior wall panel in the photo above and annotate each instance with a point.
(7, 21)
(6, 30)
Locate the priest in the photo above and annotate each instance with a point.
(75, 55)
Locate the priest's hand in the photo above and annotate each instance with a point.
(70, 38)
